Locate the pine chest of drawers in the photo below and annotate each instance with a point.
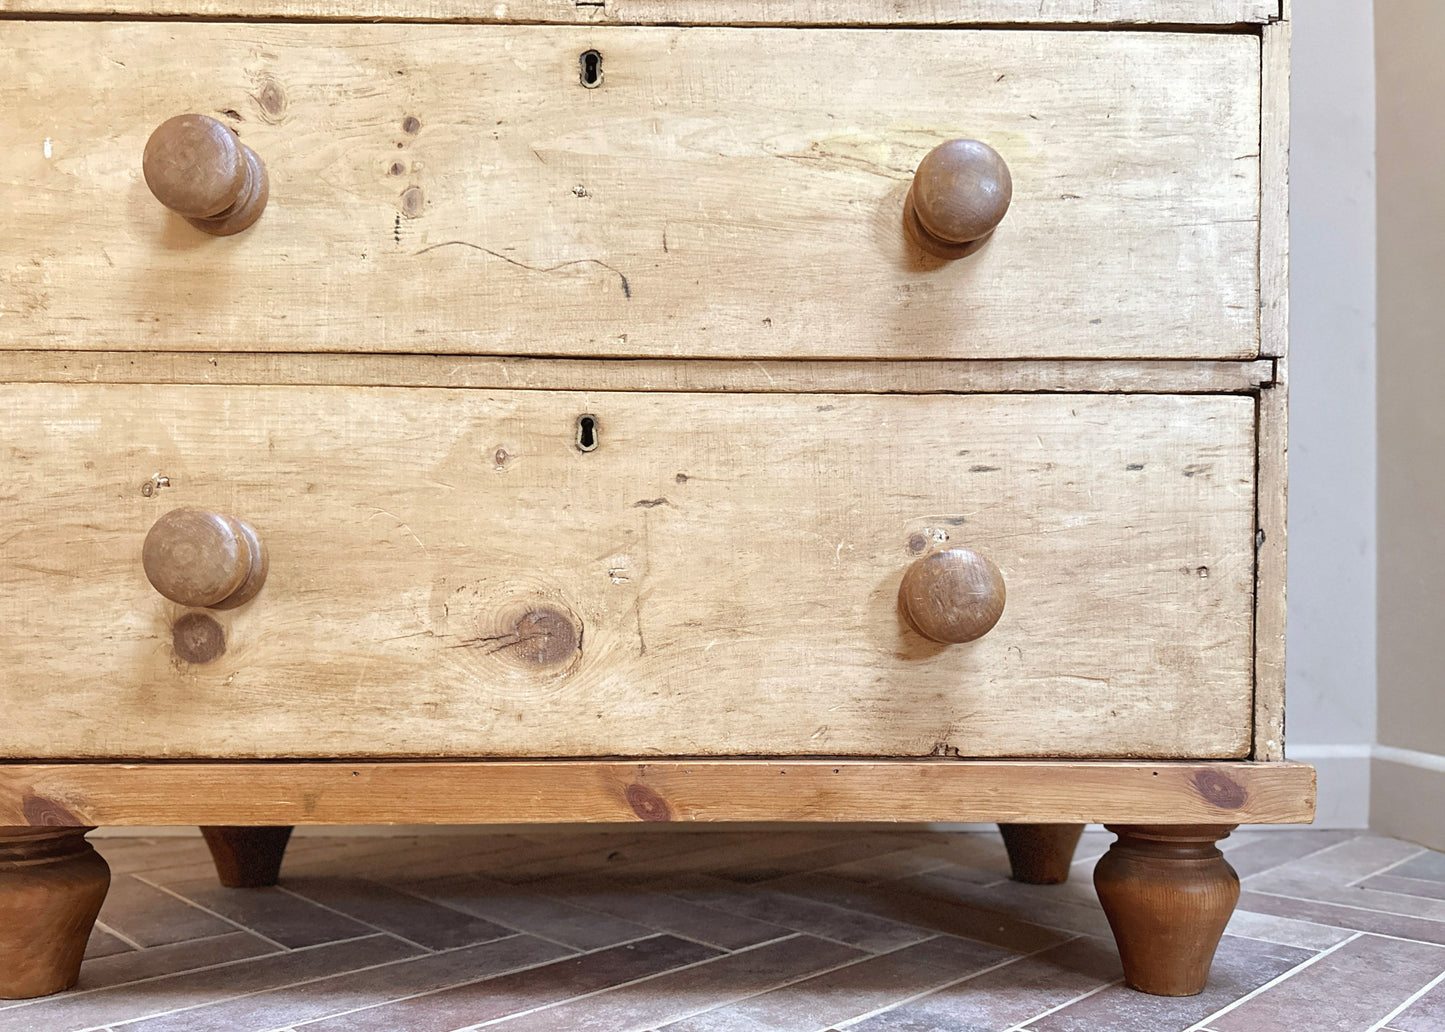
(644, 410)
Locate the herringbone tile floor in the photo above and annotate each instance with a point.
(735, 931)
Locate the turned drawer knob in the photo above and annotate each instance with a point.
(199, 169)
(959, 195)
(952, 597)
(201, 558)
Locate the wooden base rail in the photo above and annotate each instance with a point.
(554, 791)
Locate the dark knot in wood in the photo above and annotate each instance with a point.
(1219, 789)
(197, 638)
(647, 804)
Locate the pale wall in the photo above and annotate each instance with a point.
(1331, 673)
(1409, 772)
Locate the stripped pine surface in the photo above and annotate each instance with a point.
(718, 576)
(723, 193)
(735, 931)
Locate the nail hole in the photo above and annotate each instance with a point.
(587, 433)
(591, 62)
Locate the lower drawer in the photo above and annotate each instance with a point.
(452, 574)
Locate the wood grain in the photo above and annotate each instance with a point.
(725, 193)
(450, 576)
(1271, 534)
(574, 374)
(1168, 893)
(694, 12)
(1274, 192)
(1271, 570)
(547, 791)
(52, 884)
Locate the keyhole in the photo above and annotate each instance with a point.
(591, 62)
(587, 433)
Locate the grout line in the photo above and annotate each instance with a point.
(256, 992)
(610, 988)
(1299, 859)
(947, 985)
(1377, 1026)
(68, 994)
(235, 924)
(1387, 867)
(1351, 906)
(546, 938)
(1201, 1026)
(575, 955)
(360, 921)
(133, 944)
(795, 980)
(1022, 1026)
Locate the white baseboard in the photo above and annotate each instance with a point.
(1407, 796)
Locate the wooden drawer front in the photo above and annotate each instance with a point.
(723, 193)
(727, 566)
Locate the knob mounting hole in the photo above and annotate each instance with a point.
(587, 433)
(591, 62)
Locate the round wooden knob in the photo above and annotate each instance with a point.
(959, 195)
(952, 597)
(199, 169)
(204, 559)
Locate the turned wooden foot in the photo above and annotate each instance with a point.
(1040, 854)
(247, 858)
(52, 884)
(1168, 893)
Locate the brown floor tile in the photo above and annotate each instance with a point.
(981, 859)
(168, 960)
(526, 911)
(916, 902)
(1344, 917)
(494, 998)
(1358, 984)
(402, 914)
(1286, 931)
(103, 944)
(1424, 887)
(676, 994)
(148, 916)
(1001, 998)
(1240, 966)
(1073, 907)
(1427, 1014)
(1340, 865)
(83, 1010)
(841, 924)
(136, 856)
(434, 858)
(849, 992)
(884, 867)
(781, 865)
(664, 913)
(1427, 865)
(279, 916)
(1268, 851)
(339, 994)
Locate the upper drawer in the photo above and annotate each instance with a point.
(722, 193)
